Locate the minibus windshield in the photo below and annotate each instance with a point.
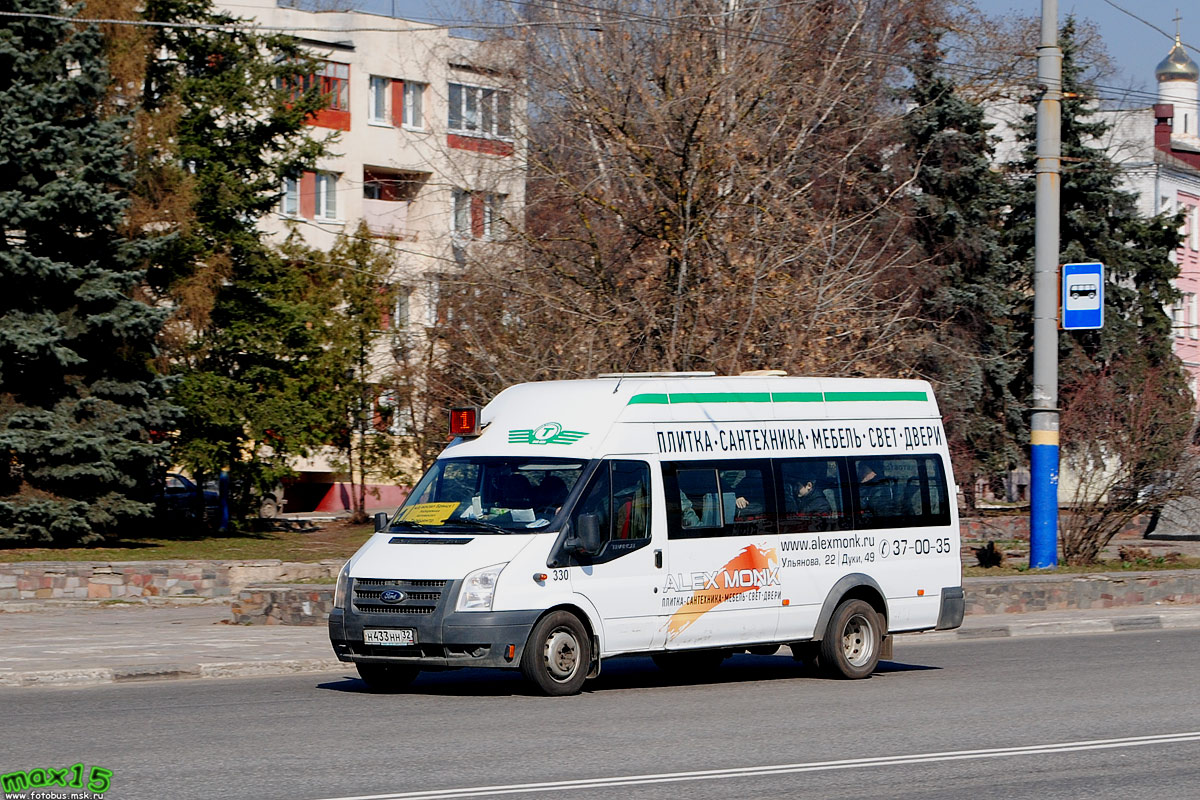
(497, 494)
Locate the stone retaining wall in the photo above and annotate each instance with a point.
(91, 580)
(310, 605)
(1001, 527)
(1101, 590)
(282, 605)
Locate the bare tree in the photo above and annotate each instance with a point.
(1127, 443)
(709, 188)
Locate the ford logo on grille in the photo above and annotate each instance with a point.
(392, 596)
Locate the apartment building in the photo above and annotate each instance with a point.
(429, 154)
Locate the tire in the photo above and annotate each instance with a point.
(558, 654)
(689, 663)
(850, 648)
(269, 508)
(386, 678)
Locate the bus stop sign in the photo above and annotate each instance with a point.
(1082, 296)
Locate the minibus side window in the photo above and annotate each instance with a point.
(619, 496)
(811, 495)
(631, 500)
(719, 498)
(899, 492)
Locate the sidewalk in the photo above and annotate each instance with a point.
(57, 646)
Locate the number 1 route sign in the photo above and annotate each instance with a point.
(1082, 296)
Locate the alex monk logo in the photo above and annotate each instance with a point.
(546, 433)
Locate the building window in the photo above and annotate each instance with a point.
(461, 213)
(400, 307)
(332, 80)
(493, 206)
(477, 215)
(335, 84)
(289, 204)
(414, 104)
(480, 111)
(1194, 233)
(325, 206)
(1184, 316)
(378, 105)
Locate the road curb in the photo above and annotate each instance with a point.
(160, 672)
(1121, 624)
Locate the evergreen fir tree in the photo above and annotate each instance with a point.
(79, 400)
(249, 327)
(1100, 222)
(967, 289)
(1127, 408)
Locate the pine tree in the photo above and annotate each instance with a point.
(79, 400)
(370, 386)
(1136, 438)
(225, 125)
(966, 289)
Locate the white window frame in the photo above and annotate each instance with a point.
(493, 204)
(401, 308)
(289, 203)
(1194, 227)
(474, 102)
(377, 115)
(413, 111)
(460, 214)
(325, 200)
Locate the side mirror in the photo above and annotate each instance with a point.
(381, 521)
(586, 540)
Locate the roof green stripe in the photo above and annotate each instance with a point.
(775, 397)
(722, 397)
(796, 397)
(867, 397)
(648, 399)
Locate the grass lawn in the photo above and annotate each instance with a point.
(333, 540)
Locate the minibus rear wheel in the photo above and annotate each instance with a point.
(850, 648)
(386, 678)
(558, 654)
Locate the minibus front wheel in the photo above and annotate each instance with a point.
(851, 646)
(558, 654)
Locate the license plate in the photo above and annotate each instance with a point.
(398, 636)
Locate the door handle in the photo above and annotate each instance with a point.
(658, 558)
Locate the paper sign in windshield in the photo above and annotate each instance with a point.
(428, 513)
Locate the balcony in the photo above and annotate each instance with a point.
(387, 218)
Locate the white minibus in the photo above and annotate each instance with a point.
(684, 516)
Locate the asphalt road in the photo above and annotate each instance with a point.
(1036, 717)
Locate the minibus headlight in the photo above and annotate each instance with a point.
(342, 588)
(478, 589)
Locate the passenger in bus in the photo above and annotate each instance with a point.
(875, 492)
(806, 501)
(687, 511)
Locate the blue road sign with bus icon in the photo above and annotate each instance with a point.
(1082, 296)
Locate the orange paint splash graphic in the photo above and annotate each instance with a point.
(730, 581)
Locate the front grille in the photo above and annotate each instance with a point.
(398, 609)
(418, 597)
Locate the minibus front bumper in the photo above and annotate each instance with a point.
(441, 638)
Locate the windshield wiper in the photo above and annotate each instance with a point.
(478, 523)
(407, 523)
